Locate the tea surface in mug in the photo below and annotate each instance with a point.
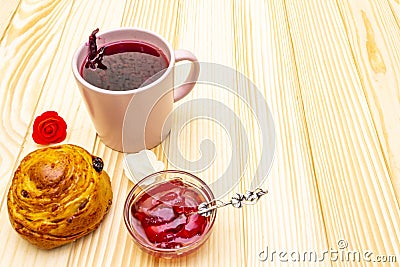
(129, 64)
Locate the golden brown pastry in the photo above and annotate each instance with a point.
(58, 194)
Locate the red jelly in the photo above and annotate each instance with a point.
(168, 214)
(161, 213)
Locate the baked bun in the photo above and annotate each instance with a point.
(58, 194)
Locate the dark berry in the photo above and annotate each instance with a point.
(98, 164)
(24, 193)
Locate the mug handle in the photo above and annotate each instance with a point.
(184, 89)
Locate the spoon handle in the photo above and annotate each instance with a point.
(238, 200)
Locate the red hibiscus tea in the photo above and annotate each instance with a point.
(130, 72)
(124, 65)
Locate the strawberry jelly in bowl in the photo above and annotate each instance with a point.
(161, 213)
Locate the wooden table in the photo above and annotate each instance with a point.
(329, 71)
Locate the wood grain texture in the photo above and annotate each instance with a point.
(395, 8)
(23, 70)
(370, 30)
(349, 164)
(265, 54)
(201, 25)
(7, 12)
(50, 87)
(329, 73)
(27, 50)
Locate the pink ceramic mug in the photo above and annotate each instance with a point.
(129, 121)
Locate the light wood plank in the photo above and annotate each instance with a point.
(95, 249)
(206, 29)
(23, 69)
(290, 215)
(160, 17)
(8, 9)
(328, 71)
(374, 40)
(54, 89)
(357, 196)
(395, 8)
(27, 50)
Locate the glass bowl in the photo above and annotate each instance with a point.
(160, 213)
